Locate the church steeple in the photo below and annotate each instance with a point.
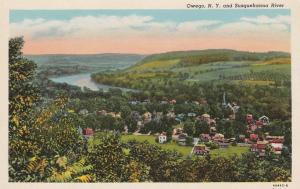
(224, 99)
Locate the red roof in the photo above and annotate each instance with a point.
(261, 146)
(249, 117)
(275, 139)
(259, 123)
(277, 149)
(253, 136)
(88, 131)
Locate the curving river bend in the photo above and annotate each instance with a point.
(84, 80)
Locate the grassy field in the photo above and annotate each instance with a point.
(163, 64)
(253, 82)
(159, 68)
(186, 150)
(200, 73)
(232, 150)
(276, 61)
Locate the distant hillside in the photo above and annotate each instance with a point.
(191, 58)
(57, 64)
(202, 66)
(85, 59)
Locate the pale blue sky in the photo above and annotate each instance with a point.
(226, 15)
(150, 31)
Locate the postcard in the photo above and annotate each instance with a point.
(150, 94)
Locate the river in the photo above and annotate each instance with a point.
(84, 80)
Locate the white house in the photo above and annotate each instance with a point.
(83, 112)
(264, 120)
(162, 138)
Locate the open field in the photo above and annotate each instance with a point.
(202, 66)
(230, 151)
(184, 150)
(165, 64)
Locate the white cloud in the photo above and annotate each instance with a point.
(107, 26)
(192, 26)
(262, 19)
(76, 26)
(132, 26)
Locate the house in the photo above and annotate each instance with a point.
(205, 117)
(249, 118)
(118, 115)
(112, 114)
(88, 132)
(232, 116)
(178, 120)
(259, 147)
(195, 141)
(259, 124)
(212, 122)
(218, 137)
(264, 119)
(253, 127)
(200, 149)
(205, 137)
(277, 148)
(126, 129)
(182, 139)
(196, 102)
(139, 124)
(235, 107)
(213, 130)
(135, 115)
(101, 113)
(242, 138)
(177, 131)
(163, 102)
(83, 112)
(275, 139)
(171, 114)
(180, 116)
(191, 114)
(135, 102)
(79, 130)
(173, 101)
(247, 140)
(232, 139)
(162, 138)
(147, 116)
(253, 137)
(147, 101)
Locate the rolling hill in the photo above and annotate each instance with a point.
(203, 66)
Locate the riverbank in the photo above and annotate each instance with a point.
(84, 80)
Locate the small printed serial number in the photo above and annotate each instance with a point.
(280, 185)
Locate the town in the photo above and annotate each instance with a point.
(258, 143)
